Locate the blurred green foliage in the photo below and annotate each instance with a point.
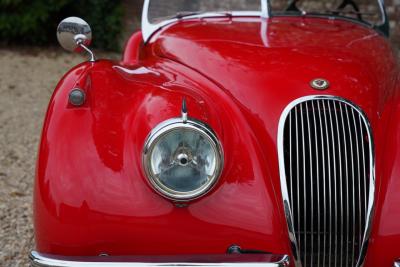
(35, 21)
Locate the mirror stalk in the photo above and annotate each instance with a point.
(80, 43)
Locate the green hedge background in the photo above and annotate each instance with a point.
(34, 22)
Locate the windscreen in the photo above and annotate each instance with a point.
(160, 10)
(364, 10)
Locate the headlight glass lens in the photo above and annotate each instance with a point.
(183, 160)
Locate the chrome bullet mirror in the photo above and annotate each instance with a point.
(74, 34)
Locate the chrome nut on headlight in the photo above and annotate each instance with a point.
(182, 160)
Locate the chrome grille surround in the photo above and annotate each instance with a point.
(324, 105)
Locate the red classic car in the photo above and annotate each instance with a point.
(231, 133)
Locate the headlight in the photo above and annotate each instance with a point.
(182, 160)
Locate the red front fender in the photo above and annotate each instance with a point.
(91, 195)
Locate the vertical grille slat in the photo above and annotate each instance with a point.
(298, 179)
(311, 184)
(317, 175)
(334, 181)
(327, 179)
(351, 186)
(329, 190)
(359, 181)
(291, 155)
(341, 252)
(347, 187)
(323, 185)
(304, 184)
(364, 173)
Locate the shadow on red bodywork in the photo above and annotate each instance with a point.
(91, 195)
(132, 49)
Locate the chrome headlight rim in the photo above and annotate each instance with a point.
(163, 129)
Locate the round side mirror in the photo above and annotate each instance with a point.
(73, 32)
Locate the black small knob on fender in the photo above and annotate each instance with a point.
(77, 97)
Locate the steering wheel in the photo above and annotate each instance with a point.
(294, 8)
(351, 3)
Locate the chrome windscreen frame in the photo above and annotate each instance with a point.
(284, 188)
(384, 27)
(148, 28)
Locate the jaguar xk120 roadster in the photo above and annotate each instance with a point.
(231, 133)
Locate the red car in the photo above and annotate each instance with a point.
(231, 133)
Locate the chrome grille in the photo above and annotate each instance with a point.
(327, 179)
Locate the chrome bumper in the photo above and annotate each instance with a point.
(233, 260)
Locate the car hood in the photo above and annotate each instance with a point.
(262, 63)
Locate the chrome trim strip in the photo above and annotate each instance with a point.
(43, 260)
(148, 29)
(284, 189)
